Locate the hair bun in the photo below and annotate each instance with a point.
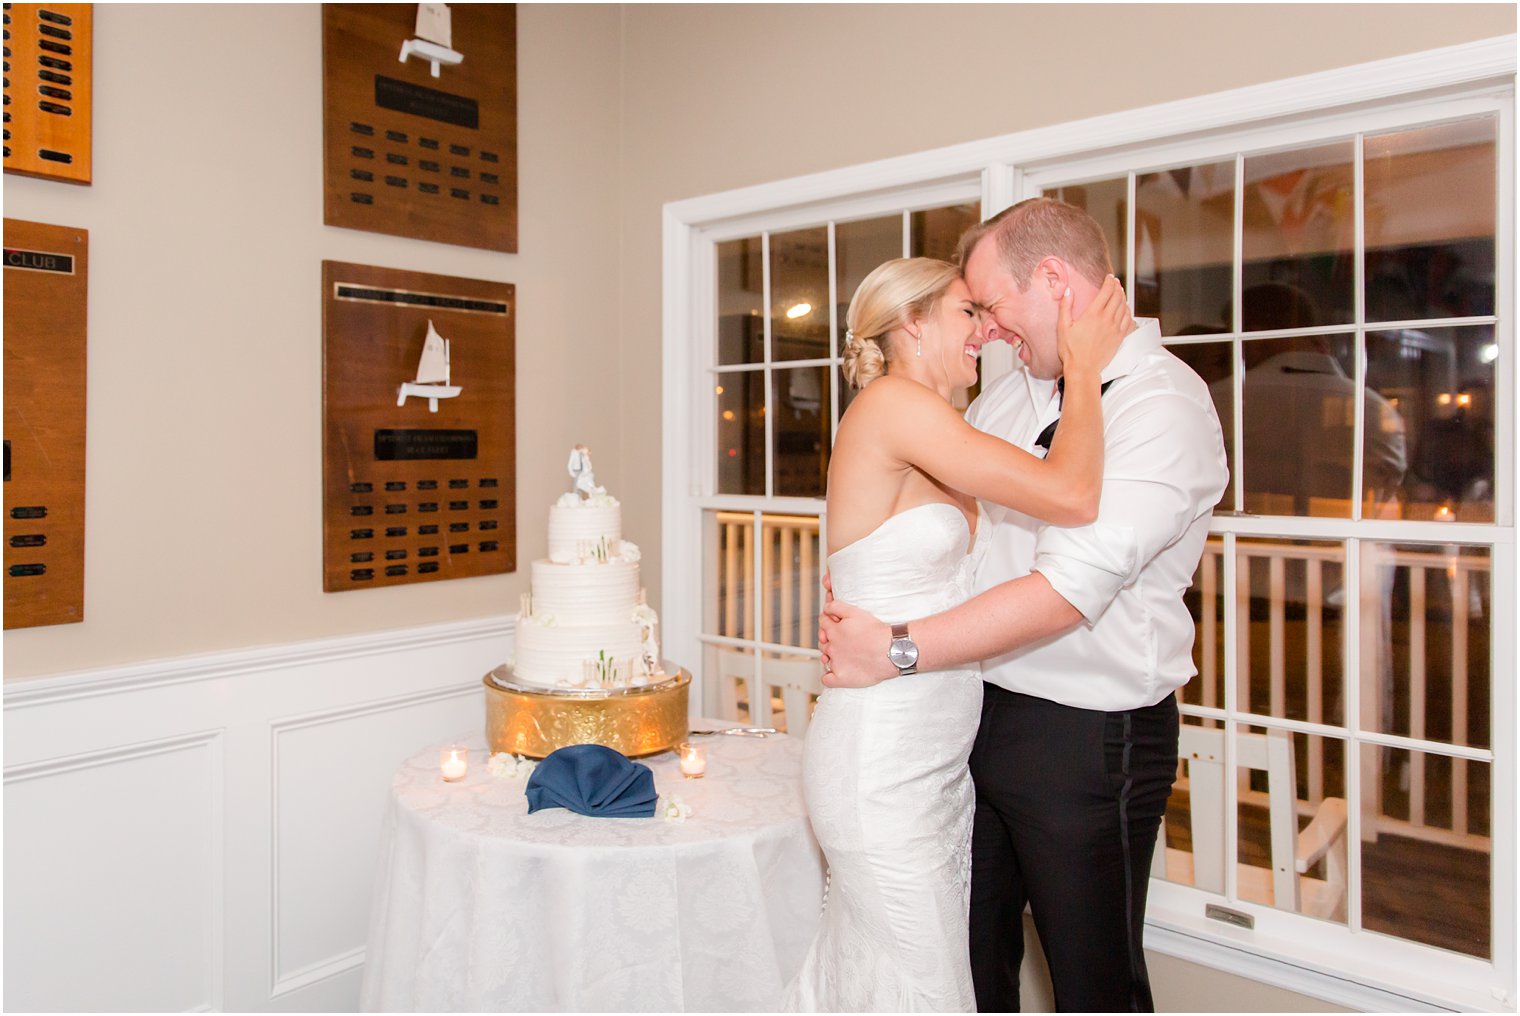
(864, 361)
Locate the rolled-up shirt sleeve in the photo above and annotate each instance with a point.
(1163, 467)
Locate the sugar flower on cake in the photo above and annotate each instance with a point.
(644, 614)
(629, 551)
(511, 767)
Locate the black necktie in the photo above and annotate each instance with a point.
(1049, 433)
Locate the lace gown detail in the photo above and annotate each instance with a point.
(888, 790)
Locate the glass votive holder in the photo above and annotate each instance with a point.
(693, 760)
(454, 762)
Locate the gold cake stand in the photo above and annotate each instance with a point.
(531, 720)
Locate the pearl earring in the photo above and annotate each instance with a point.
(920, 338)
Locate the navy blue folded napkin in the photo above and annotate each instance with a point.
(592, 779)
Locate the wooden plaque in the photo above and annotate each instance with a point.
(47, 90)
(45, 273)
(414, 493)
(414, 154)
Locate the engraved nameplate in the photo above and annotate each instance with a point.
(411, 445)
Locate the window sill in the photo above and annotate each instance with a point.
(1367, 971)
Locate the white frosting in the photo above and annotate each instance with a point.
(583, 624)
(581, 523)
(591, 593)
(555, 655)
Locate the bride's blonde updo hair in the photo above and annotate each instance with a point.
(894, 292)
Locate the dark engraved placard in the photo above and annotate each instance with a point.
(411, 445)
(418, 399)
(419, 100)
(417, 148)
(48, 90)
(45, 289)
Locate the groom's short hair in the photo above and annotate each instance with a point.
(1038, 228)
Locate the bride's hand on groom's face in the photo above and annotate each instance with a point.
(1089, 342)
(854, 647)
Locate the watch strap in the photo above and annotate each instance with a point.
(900, 631)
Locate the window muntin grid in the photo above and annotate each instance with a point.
(770, 465)
(1262, 589)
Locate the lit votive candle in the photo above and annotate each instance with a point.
(693, 762)
(454, 762)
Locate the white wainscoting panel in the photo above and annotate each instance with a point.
(116, 859)
(201, 834)
(330, 779)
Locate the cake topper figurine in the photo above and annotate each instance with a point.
(583, 480)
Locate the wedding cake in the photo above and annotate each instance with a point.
(584, 624)
(587, 666)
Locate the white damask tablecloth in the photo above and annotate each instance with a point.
(481, 907)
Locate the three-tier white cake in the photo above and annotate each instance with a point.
(588, 668)
(585, 624)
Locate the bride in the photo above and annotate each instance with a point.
(886, 780)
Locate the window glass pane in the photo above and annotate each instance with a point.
(1108, 202)
(1299, 400)
(741, 327)
(800, 294)
(1190, 850)
(1426, 867)
(1430, 445)
(727, 604)
(1205, 601)
(802, 431)
(858, 248)
(1215, 363)
(1426, 621)
(728, 674)
(1299, 219)
(1185, 248)
(791, 588)
(1292, 807)
(936, 232)
(740, 407)
(792, 684)
(1290, 630)
(1431, 196)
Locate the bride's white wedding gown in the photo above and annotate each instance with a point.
(888, 790)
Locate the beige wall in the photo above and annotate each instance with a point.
(717, 97)
(204, 498)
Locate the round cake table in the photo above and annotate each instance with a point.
(481, 907)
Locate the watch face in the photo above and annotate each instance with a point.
(903, 653)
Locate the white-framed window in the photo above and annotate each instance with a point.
(771, 364)
(1341, 272)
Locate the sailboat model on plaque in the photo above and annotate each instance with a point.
(432, 381)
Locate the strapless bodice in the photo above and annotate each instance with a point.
(914, 564)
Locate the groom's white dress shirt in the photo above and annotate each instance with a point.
(1163, 471)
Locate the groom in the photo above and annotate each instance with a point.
(1083, 632)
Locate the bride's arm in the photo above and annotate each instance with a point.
(1062, 488)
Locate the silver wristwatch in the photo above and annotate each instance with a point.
(903, 652)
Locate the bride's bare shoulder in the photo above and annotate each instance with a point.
(888, 394)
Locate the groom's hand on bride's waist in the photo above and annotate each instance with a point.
(854, 647)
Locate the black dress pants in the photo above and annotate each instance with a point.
(1068, 804)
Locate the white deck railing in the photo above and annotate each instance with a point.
(1311, 576)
